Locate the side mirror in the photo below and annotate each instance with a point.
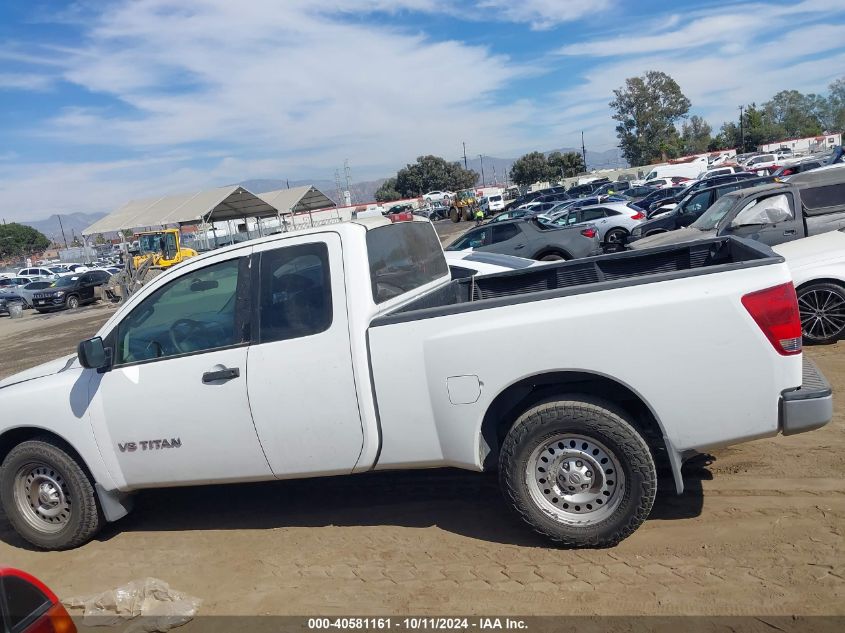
(92, 353)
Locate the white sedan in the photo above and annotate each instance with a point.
(818, 271)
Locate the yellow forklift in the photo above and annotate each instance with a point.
(463, 205)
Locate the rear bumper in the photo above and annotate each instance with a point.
(808, 407)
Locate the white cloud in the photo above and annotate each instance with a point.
(541, 14)
(24, 81)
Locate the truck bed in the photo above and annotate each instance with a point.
(580, 276)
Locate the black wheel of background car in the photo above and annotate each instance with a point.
(577, 472)
(72, 302)
(47, 496)
(454, 215)
(822, 310)
(552, 257)
(615, 236)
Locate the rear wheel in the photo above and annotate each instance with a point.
(615, 237)
(578, 473)
(467, 214)
(47, 497)
(822, 310)
(454, 215)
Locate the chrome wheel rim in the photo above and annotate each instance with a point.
(41, 497)
(575, 479)
(822, 314)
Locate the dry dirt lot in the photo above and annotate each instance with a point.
(759, 531)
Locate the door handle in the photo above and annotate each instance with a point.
(789, 232)
(223, 374)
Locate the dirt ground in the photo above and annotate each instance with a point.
(759, 531)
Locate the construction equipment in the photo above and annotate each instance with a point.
(463, 205)
(157, 251)
(163, 249)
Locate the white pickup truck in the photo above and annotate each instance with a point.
(348, 349)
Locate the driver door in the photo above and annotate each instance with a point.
(173, 408)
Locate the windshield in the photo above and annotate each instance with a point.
(464, 195)
(150, 243)
(711, 218)
(61, 282)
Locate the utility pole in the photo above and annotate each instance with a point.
(741, 131)
(481, 158)
(348, 185)
(583, 151)
(287, 182)
(465, 154)
(61, 227)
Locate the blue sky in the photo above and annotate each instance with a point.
(102, 102)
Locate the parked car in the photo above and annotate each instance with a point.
(656, 197)
(36, 273)
(797, 166)
(522, 200)
(810, 203)
(613, 220)
(762, 163)
(495, 203)
(436, 196)
(13, 283)
(817, 265)
(28, 606)
(70, 292)
(686, 170)
(534, 208)
(721, 170)
(27, 292)
(532, 239)
(513, 214)
(469, 263)
(377, 298)
(635, 194)
(688, 210)
(714, 181)
(612, 187)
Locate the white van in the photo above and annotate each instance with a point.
(689, 170)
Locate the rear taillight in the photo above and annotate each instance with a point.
(775, 310)
(638, 216)
(56, 620)
(591, 233)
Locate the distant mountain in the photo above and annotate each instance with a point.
(72, 223)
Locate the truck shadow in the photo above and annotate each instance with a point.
(460, 502)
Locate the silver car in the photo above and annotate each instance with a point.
(613, 220)
(26, 292)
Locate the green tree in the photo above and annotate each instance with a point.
(836, 106)
(647, 109)
(19, 240)
(794, 113)
(433, 173)
(99, 239)
(565, 165)
(695, 135)
(530, 168)
(387, 191)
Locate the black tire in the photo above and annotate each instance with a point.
(72, 302)
(552, 257)
(454, 215)
(598, 424)
(84, 516)
(467, 214)
(822, 309)
(615, 237)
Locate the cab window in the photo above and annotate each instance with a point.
(504, 232)
(295, 292)
(589, 215)
(698, 203)
(196, 312)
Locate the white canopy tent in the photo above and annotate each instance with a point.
(206, 207)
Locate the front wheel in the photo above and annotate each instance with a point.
(47, 497)
(454, 215)
(578, 473)
(822, 310)
(72, 302)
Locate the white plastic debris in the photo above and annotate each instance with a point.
(152, 601)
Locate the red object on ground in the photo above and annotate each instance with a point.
(25, 600)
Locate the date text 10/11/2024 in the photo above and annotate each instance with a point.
(421, 623)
